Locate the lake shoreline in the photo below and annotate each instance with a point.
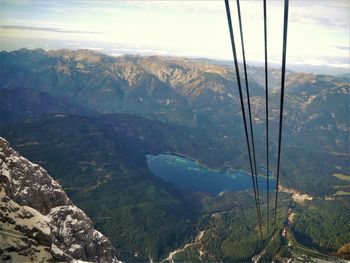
(225, 169)
(190, 174)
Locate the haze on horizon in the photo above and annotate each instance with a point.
(319, 31)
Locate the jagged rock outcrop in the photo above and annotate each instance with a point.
(38, 222)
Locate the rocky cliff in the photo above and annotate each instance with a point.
(38, 222)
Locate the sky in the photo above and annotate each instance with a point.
(318, 33)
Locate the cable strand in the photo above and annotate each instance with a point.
(284, 53)
(267, 123)
(249, 107)
(241, 100)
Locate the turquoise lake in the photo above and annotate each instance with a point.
(188, 174)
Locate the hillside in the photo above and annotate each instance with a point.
(176, 90)
(101, 164)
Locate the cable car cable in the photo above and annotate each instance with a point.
(284, 53)
(242, 105)
(249, 107)
(267, 123)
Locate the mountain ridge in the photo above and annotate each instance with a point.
(38, 221)
(176, 90)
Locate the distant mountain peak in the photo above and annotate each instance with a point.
(87, 55)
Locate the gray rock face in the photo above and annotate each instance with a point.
(73, 230)
(38, 222)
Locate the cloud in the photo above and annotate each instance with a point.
(332, 13)
(49, 29)
(322, 61)
(346, 48)
(330, 22)
(93, 48)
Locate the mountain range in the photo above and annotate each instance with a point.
(175, 90)
(90, 119)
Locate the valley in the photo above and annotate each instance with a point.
(95, 123)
